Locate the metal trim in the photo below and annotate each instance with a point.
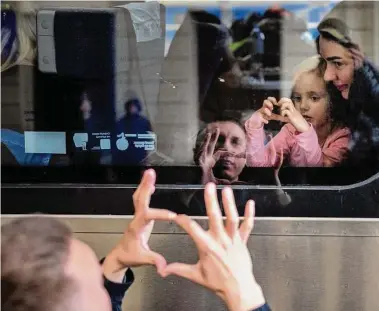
(195, 187)
(337, 227)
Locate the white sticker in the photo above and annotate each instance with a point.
(47, 142)
(146, 20)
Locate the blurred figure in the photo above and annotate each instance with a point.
(133, 123)
(86, 107)
(248, 48)
(353, 84)
(212, 50)
(209, 39)
(271, 25)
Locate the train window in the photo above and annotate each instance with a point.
(256, 96)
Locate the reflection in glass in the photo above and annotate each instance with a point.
(215, 90)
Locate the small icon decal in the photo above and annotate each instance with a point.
(81, 140)
(105, 144)
(122, 143)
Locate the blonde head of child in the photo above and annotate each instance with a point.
(309, 92)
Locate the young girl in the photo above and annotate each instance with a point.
(310, 138)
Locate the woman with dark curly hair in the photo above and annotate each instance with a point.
(353, 84)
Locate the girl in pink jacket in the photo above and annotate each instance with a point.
(310, 138)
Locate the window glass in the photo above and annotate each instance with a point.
(245, 94)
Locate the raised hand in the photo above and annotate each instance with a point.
(133, 249)
(288, 110)
(224, 265)
(209, 157)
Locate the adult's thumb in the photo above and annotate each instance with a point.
(158, 260)
(182, 270)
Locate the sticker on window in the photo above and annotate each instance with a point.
(146, 20)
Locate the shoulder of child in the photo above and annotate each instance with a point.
(339, 133)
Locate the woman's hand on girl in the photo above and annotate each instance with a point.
(288, 110)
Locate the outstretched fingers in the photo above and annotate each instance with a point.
(232, 219)
(247, 225)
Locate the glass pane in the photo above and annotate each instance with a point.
(254, 95)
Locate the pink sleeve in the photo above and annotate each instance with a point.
(310, 149)
(255, 156)
(336, 147)
(259, 155)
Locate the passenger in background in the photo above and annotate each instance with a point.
(133, 123)
(353, 83)
(44, 268)
(312, 137)
(86, 109)
(13, 143)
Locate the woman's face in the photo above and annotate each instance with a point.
(340, 65)
(311, 98)
(232, 140)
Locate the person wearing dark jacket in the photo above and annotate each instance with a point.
(133, 123)
(353, 85)
(44, 268)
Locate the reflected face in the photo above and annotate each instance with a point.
(133, 109)
(85, 105)
(232, 140)
(86, 109)
(84, 270)
(340, 65)
(311, 98)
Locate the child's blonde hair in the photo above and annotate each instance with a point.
(314, 64)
